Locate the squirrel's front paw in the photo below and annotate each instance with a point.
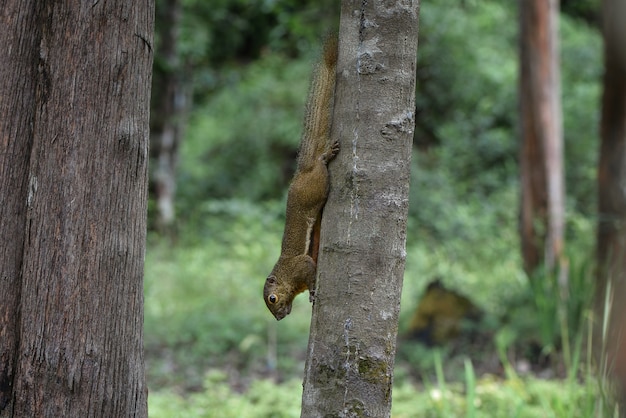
(311, 296)
(334, 149)
(331, 152)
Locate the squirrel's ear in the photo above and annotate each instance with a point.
(271, 280)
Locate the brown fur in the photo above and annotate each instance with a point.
(296, 267)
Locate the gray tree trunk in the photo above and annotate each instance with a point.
(349, 368)
(169, 111)
(542, 217)
(74, 108)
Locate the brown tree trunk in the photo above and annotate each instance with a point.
(611, 237)
(74, 108)
(349, 368)
(19, 34)
(541, 159)
(169, 113)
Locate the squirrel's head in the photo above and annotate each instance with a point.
(279, 303)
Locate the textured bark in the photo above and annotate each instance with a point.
(349, 368)
(541, 159)
(18, 79)
(75, 80)
(611, 236)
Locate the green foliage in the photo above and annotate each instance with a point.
(466, 105)
(204, 309)
(238, 144)
(464, 184)
(497, 398)
(471, 243)
(581, 70)
(466, 89)
(228, 30)
(203, 298)
(264, 398)
(217, 37)
(241, 144)
(490, 397)
(555, 314)
(585, 10)
(560, 307)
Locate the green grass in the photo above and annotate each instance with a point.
(203, 300)
(262, 399)
(486, 397)
(213, 349)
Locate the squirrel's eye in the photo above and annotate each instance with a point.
(272, 298)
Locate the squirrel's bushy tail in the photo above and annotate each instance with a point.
(318, 113)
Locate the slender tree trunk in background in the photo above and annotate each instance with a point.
(352, 344)
(74, 109)
(611, 238)
(541, 160)
(171, 101)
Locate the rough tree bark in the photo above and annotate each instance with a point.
(541, 160)
(611, 234)
(19, 34)
(352, 344)
(74, 108)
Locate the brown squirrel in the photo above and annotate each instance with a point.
(295, 269)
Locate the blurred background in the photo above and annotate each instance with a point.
(477, 336)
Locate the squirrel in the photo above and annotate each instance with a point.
(296, 267)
